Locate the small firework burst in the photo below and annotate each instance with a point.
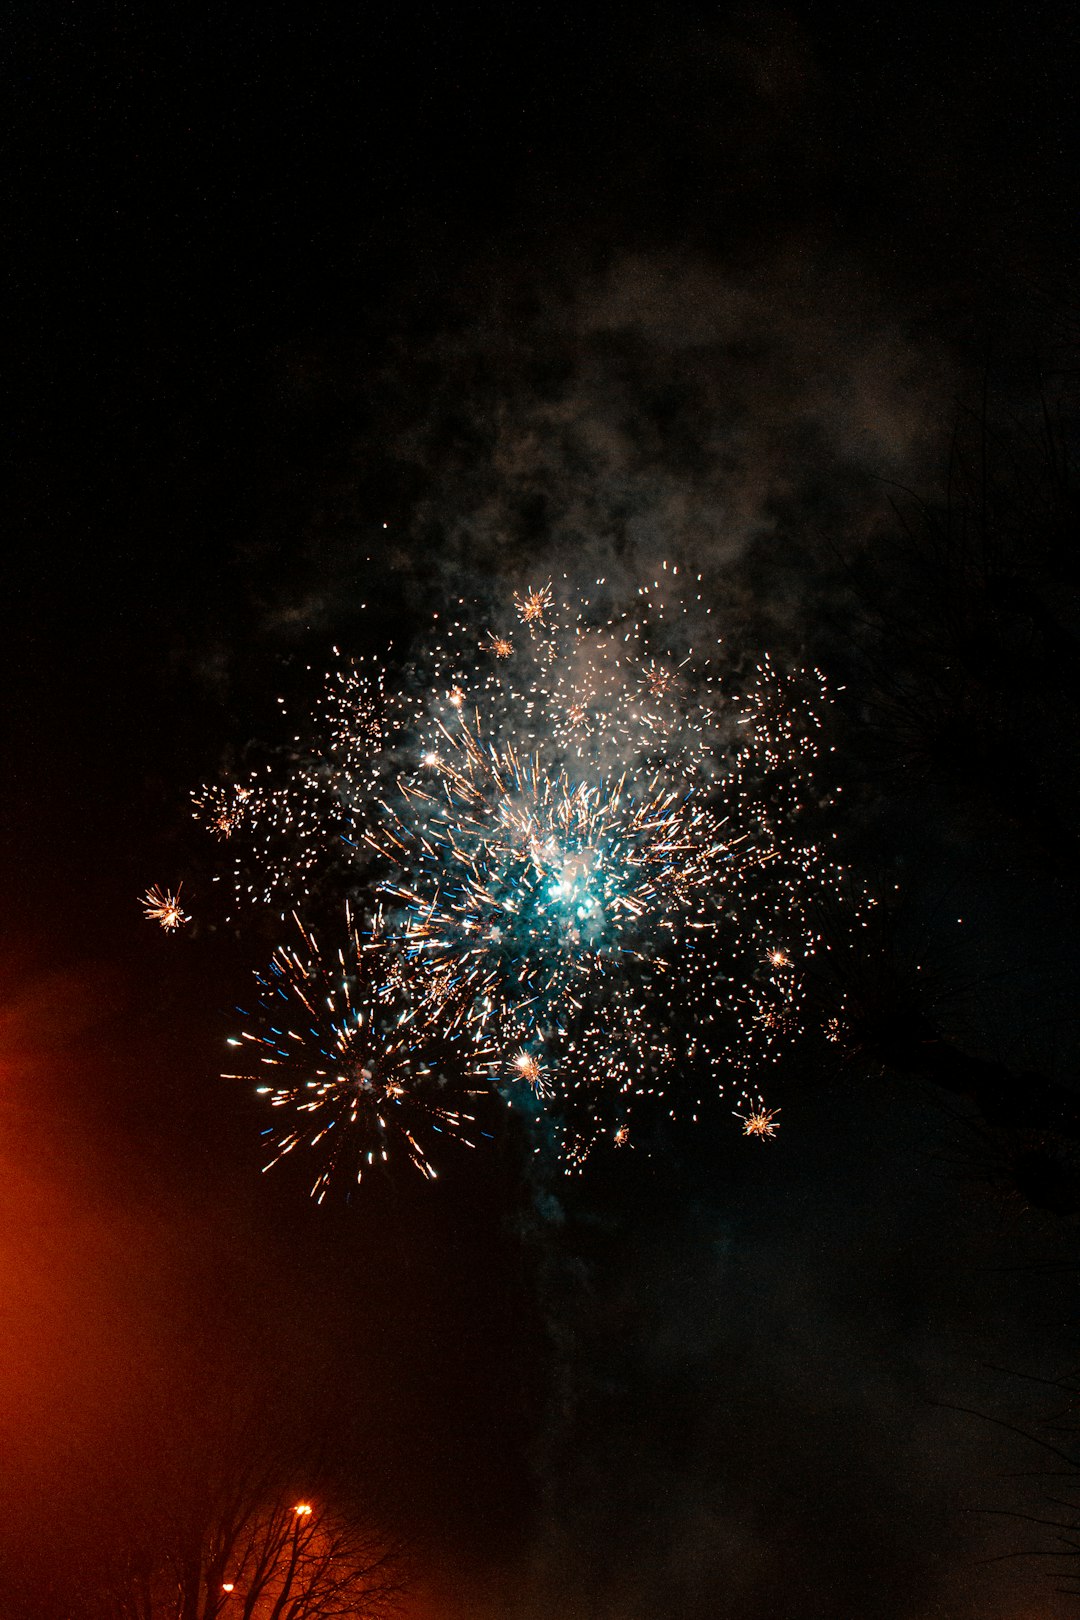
(222, 808)
(658, 678)
(534, 604)
(775, 1018)
(760, 1121)
(622, 1136)
(374, 1063)
(527, 1066)
(162, 907)
(499, 646)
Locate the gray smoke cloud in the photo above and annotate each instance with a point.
(597, 421)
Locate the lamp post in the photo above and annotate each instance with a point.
(302, 1511)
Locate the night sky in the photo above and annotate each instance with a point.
(314, 322)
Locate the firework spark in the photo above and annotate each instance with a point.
(222, 808)
(534, 604)
(528, 1067)
(760, 1122)
(162, 907)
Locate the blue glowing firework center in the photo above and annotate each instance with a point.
(553, 905)
(575, 894)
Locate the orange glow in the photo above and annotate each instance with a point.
(302, 1509)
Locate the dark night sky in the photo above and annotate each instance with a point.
(305, 312)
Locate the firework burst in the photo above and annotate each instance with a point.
(596, 869)
(164, 908)
(534, 605)
(760, 1122)
(367, 1058)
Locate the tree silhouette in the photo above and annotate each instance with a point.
(236, 1494)
(964, 719)
(259, 1557)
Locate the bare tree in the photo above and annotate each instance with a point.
(233, 1497)
(278, 1558)
(1051, 1532)
(964, 669)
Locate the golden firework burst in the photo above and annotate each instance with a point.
(534, 604)
(162, 907)
(760, 1121)
(529, 1068)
